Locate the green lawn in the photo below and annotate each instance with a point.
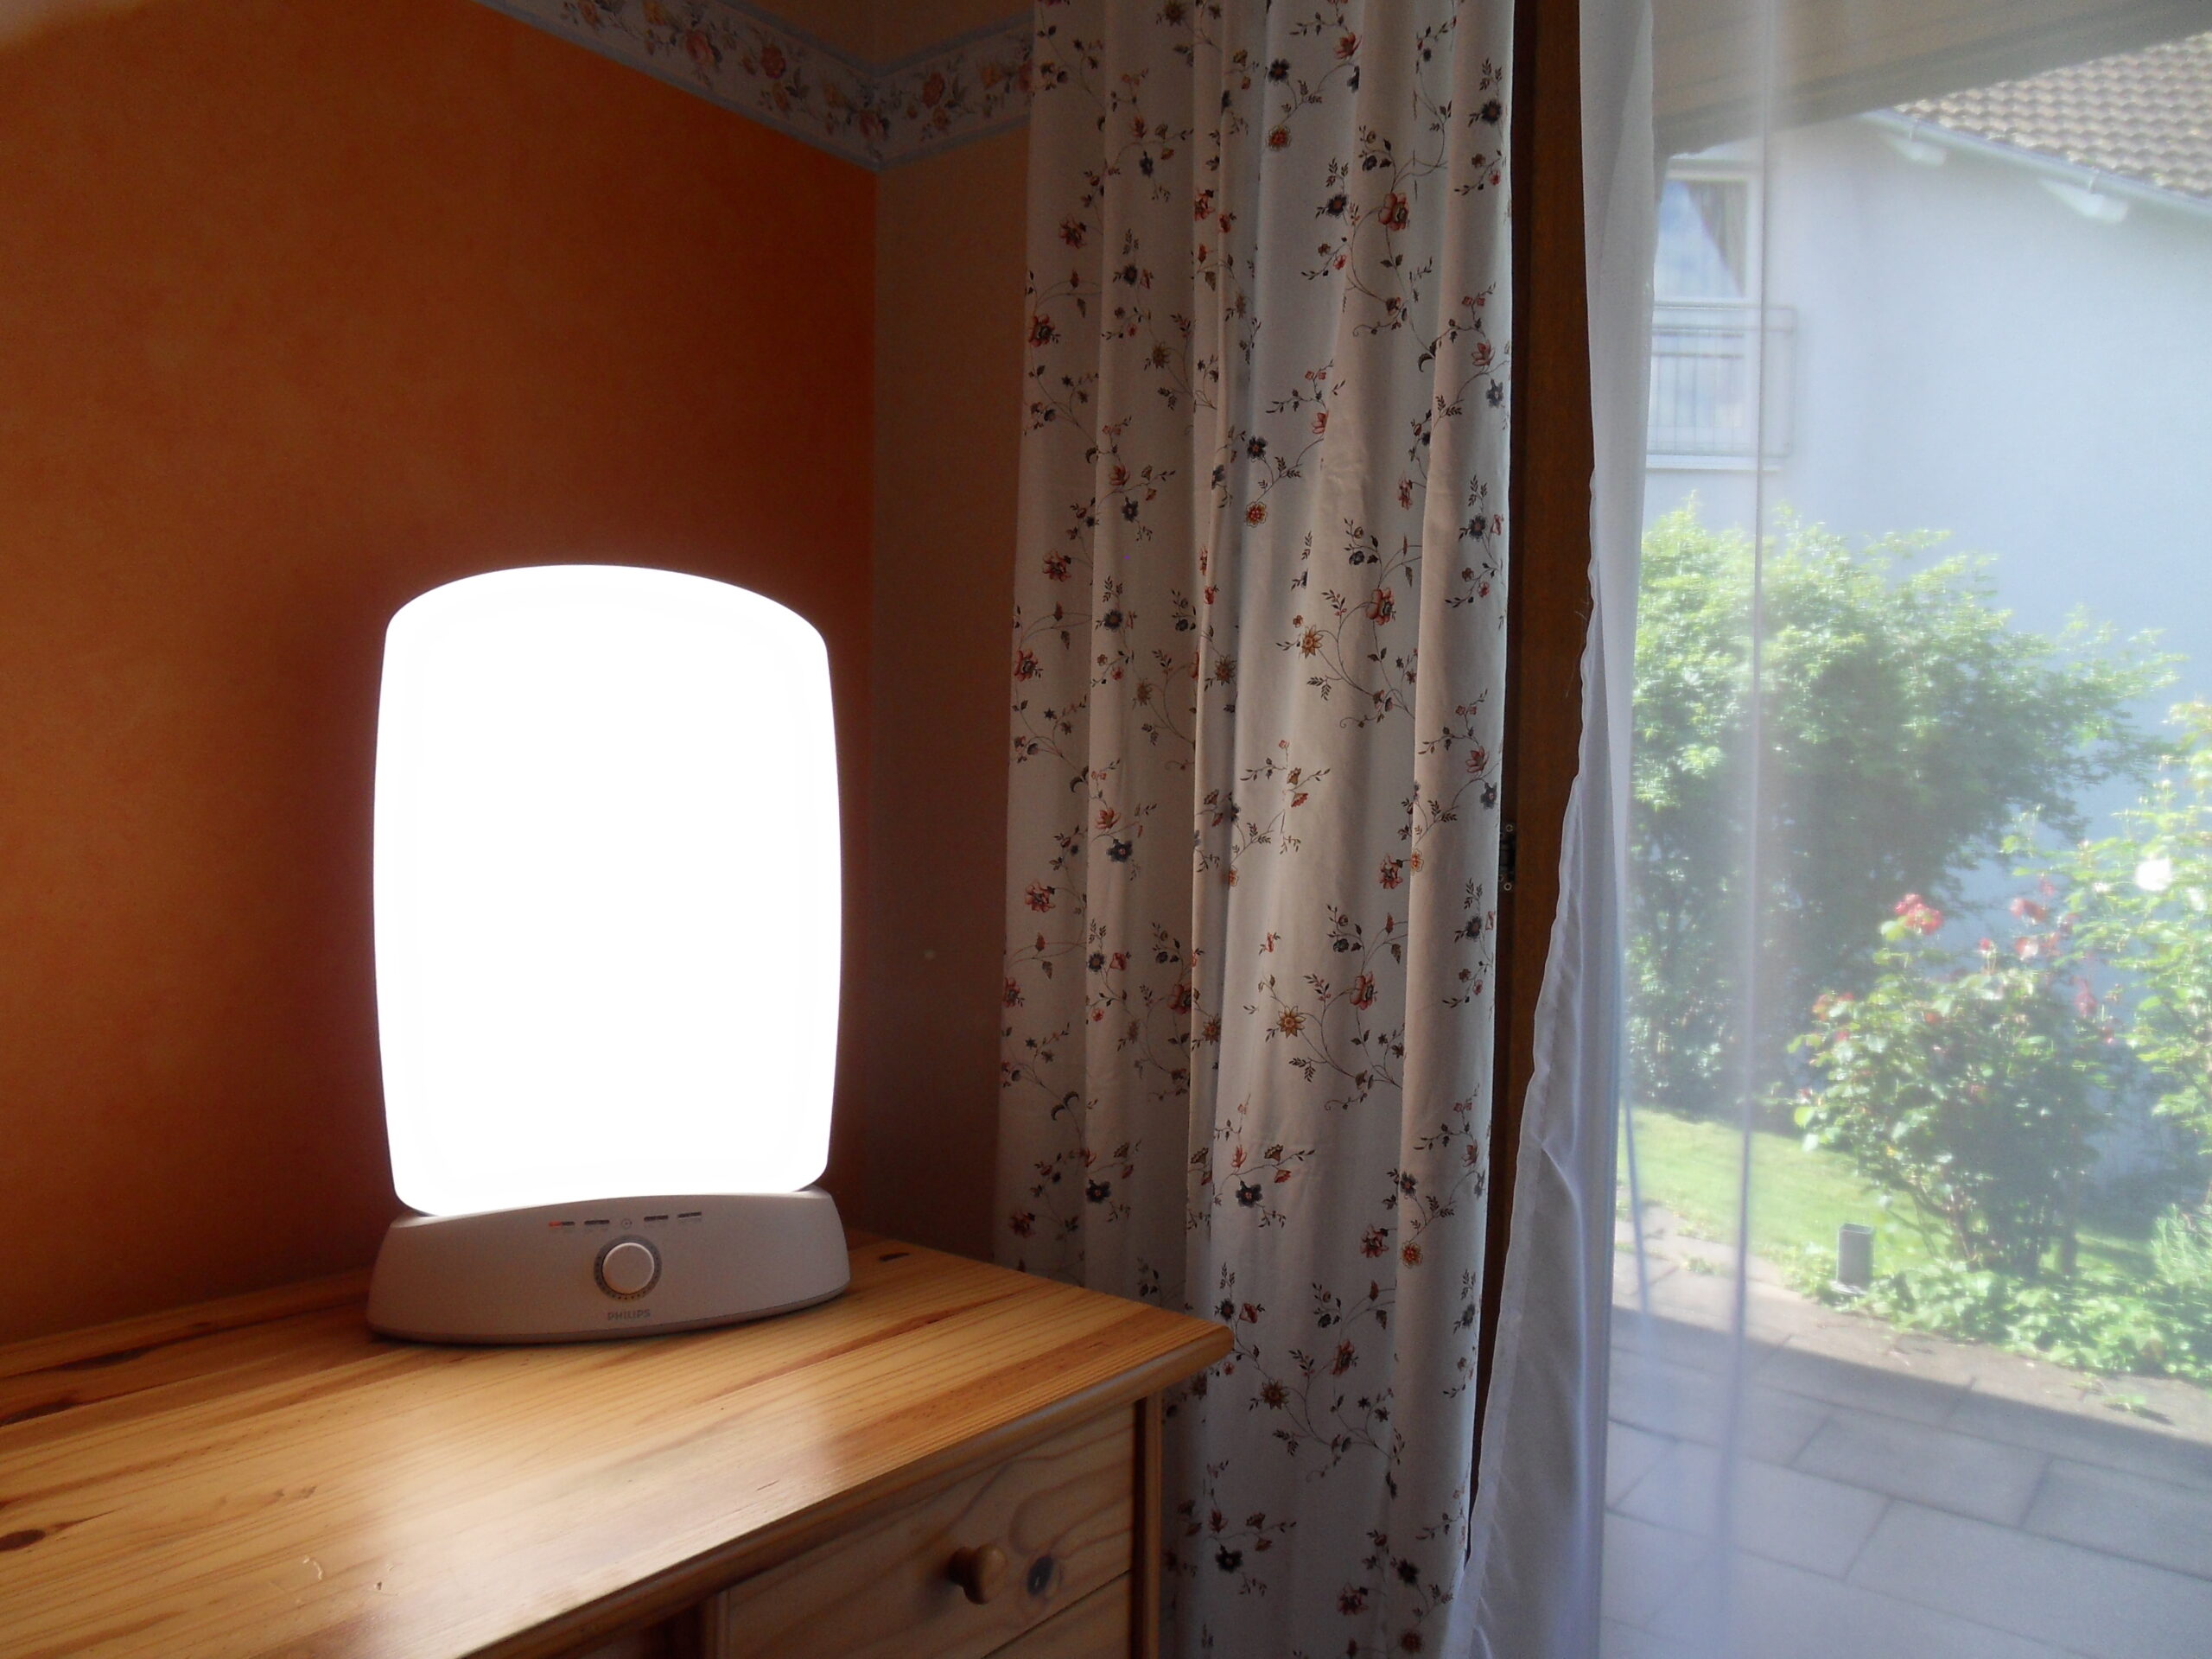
(1798, 1197)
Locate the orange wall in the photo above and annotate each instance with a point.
(305, 307)
(950, 321)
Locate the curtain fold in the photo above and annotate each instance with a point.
(1257, 665)
(1535, 1571)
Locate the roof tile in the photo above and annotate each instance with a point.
(2144, 116)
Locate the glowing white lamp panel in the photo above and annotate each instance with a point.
(607, 891)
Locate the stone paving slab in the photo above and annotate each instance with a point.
(1646, 1567)
(1780, 1515)
(2154, 1521)
(1946, 1471)
(2096, 1604)
(1785, 1612)
(1857, 1383)
(1619, 1640)
(1684, 1342)
(1630, 1454)
(2179, 1411)
(1663, 1398)
(1840, 1334)
(1976, 1502)
(1773, 1312)
(2163, 1405)
(2087, 1435)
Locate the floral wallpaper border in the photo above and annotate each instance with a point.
(732, 54)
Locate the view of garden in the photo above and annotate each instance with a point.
(1982, 1019)
(1911, 1345)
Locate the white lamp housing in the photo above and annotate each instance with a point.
(606, 939)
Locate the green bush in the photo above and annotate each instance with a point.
(1972, 1081)
(2097, 1322)
(2181, 1253)
(2144, 900)
(1907, 723)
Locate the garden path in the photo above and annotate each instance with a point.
(1899, 1496)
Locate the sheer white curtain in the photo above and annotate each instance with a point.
(1537, 1562)
(1877, 937)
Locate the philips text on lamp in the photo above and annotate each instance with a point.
(606, 947)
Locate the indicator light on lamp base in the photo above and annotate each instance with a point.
(607, 941)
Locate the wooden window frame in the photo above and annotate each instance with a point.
(1547, 594)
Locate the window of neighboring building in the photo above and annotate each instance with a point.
(1705, 239)
(1705, 319)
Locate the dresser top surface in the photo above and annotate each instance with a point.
(264, 1476)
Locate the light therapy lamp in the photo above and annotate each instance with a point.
(606, 944)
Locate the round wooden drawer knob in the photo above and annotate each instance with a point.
(981, 1573)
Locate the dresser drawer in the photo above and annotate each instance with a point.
(1033, 1535)
(1097, 1627)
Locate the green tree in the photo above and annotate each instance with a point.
(1906, 722)
(2143, 901)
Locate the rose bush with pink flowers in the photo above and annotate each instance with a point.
(1973, 1081)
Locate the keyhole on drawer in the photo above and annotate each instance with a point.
(1044, 1572)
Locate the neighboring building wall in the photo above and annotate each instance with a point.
(1972, 355)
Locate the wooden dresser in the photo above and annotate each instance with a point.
(950, 1461)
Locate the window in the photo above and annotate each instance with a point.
(1705, 322)
(1704, 238)
(1913, 1345)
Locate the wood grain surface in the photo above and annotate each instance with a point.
(263, 1475)
(1149, 1547)
(1060, 1512)
(1097, 1627)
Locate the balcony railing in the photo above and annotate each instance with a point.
(1703, 375)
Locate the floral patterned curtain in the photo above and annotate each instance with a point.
(1257, 676)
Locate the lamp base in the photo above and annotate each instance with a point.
(620, 1268)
